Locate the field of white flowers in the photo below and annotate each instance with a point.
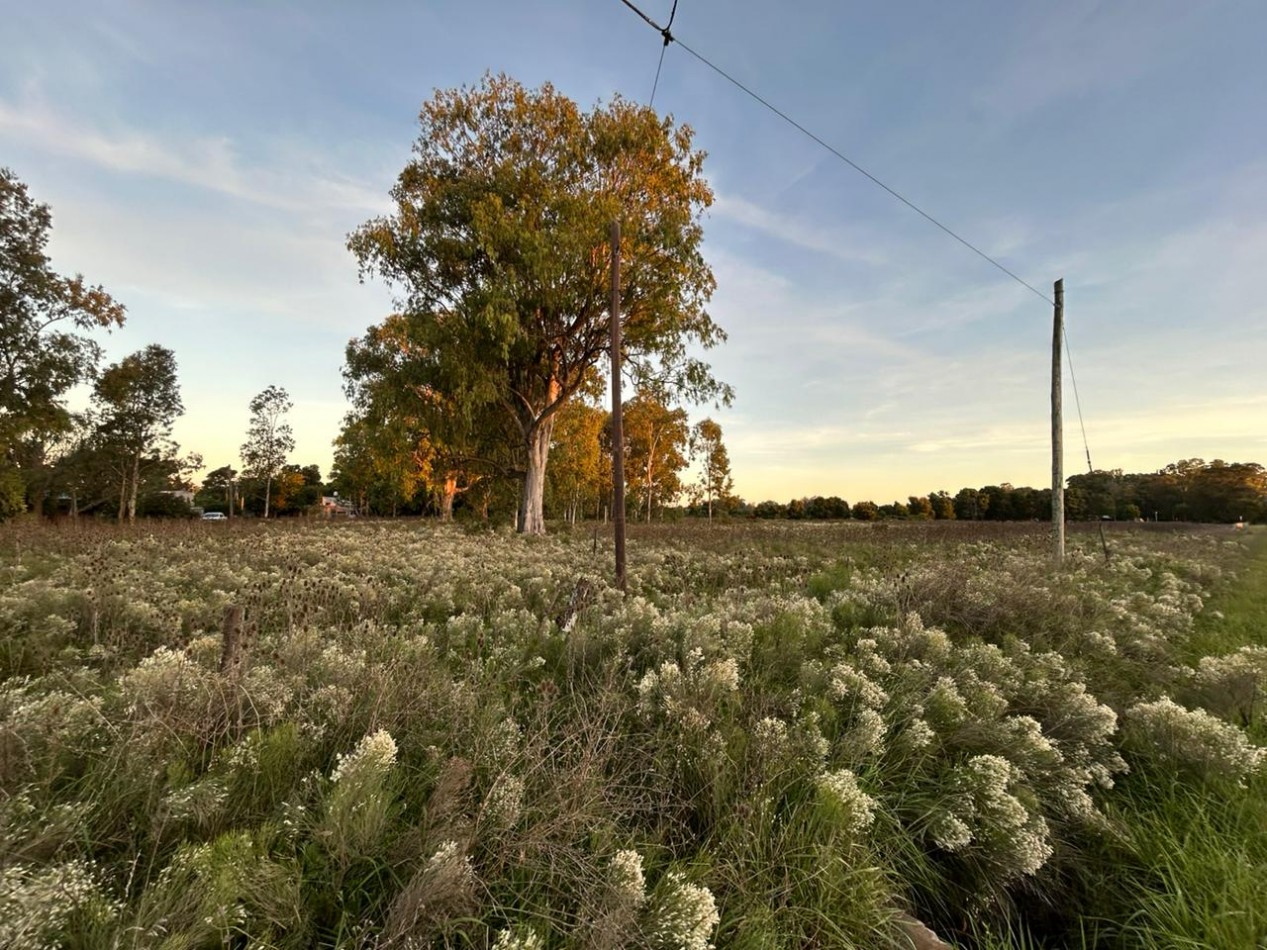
(783, 736)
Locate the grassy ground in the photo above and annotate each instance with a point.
(783, 736)
(1237, 614)
(1191, 866)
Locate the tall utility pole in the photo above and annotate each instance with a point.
(1057, 436)
(618, 426)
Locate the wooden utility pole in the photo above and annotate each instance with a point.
(1057, 436)
(618, 426)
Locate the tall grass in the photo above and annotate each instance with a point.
(1188, 866)
(783, 736)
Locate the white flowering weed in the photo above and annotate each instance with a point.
(373, 757)
(36, 904)
(524, 938)
(683, 915)
(626, 878)
(856, 807)
(408, 700)
(1192, 738)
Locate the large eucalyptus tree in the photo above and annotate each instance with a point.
(498, 252)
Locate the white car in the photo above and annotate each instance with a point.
(214, 516)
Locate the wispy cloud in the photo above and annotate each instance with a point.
(801, 232)
(205, 162)
(219, 262)
(853, 339)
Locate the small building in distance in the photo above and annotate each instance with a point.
(332, 506)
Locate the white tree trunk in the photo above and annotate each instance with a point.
(650, 484)
(532, 506)
(447, 497)
(136, 478)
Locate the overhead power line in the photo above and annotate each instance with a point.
(670, 38)
(662, 30)
(1077, 401)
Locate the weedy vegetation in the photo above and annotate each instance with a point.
(783, 736)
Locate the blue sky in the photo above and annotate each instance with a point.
(206, 161)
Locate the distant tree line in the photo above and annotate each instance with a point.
(1188, 490)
